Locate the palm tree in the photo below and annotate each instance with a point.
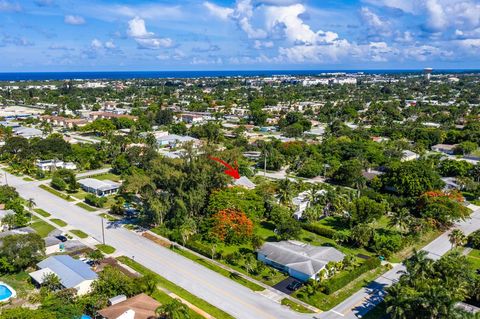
(188, 228)
(457, 238)
(173, 310)
(400, 218)
(31, 203)
(285, 191)
(419, 265)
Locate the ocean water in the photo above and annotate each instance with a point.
(122, 75)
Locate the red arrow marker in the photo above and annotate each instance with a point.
(230, 170)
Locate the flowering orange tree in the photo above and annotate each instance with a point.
(232, 226)
(443, 208)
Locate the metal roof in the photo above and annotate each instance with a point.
(299, 256)
(71, 271)
(98, 184)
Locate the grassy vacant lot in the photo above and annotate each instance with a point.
(59, 222)
(79, 233)
(218, 269)
(200, 303)
(41, 212)
(106, 249)
(42, 228)
(326, 302)
(56, 193)
(86, 207)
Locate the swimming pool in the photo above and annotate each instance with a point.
(6, 292)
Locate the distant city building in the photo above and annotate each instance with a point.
(427, 73)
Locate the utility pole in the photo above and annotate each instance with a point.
(103, 233)
(265, 165)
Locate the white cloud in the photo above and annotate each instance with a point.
(262, 44)
(470, 44)
(150, 11)
(221, 12)
(426, 53)
(96, 44)
(436, 16)
(74, 20)
(110, 45)
(10, 6)
(145, 39)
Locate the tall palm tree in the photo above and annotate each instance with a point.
(285, 191)
(188, 228)
(31, 203)
(173, 310)
(457, 238)
(400, 218)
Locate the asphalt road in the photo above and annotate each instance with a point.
(222, 292)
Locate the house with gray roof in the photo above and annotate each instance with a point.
(27, 132)
(299, 260)
(245, 182)
(174, 140)
(98, 187)
(72, 273)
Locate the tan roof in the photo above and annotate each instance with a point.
(143, 305)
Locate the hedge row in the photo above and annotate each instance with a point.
(320, 230)
(335, 283)
(201, 249)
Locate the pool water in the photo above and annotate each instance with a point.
(5, 292)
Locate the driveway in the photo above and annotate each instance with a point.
(282, 286)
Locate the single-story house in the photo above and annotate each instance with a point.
(245, 182)
(48, 165)
(27, 132)
(174, 140)
(408, 155)
(16, 231)
(301, 202)
(444, 148)
(140, 306)
(98, 187)
(72, 273)
(299, 260)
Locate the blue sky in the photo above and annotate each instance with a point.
(75, 35)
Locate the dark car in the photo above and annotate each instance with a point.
(62, 238)
(294, 285)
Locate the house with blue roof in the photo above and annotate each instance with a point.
(72, 273)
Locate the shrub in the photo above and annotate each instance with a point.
(387, 244)
(474, 239)
(200, 248)
(320, 230)
(96, 201)
(337, 282)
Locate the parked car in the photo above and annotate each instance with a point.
(62, 238)
(294, 285)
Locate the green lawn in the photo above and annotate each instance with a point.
(107, 176)
(41, 212)
(295, 306)
(220, 270)
(200, 303)
(87, 207)
(474, 258)
(80, 194)
(326, 302)
(108, 217)
(79, 233)
(28, 179)
(106, 249)
(59, 222)
(42, 228)
(56, 193)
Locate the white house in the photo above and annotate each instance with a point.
(301, 203)
(444, 148)
(299, 260)
(98, 187)
(48, 165)
(408, 155)
(72, 273)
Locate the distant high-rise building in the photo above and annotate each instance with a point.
(427, 73)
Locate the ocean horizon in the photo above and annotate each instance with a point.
(125, 75)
